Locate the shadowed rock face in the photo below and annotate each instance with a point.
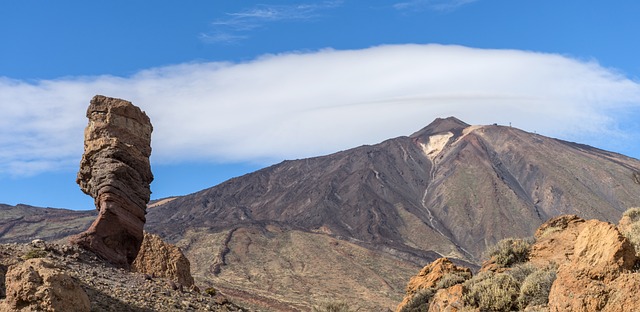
(115, 171)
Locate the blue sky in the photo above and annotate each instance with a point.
(233, 86)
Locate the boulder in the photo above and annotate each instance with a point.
(601, 255)
(447, 300)
(555, 240)
(160, 259)
(115, 171)
(38, 285)
(623, 293)
(429, 277)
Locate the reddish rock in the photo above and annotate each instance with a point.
(429, 277)
(115, 171)
(623, 293)
(601, 255)
(160, 259)
(555, 240)
(447, 300)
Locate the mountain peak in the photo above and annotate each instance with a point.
(440, 125)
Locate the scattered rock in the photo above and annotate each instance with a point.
(108, 287)
(115, 171)
(158, 258)
(37, 284)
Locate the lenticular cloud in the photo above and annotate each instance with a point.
(296, 105)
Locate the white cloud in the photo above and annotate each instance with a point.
(236, 26)
(298, 105)
(436, 5)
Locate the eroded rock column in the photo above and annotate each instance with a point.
(115, 171)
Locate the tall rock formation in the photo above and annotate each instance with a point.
(115, 171)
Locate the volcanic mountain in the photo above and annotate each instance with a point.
(349, 224)
(355, 225)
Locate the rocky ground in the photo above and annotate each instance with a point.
(37, 274)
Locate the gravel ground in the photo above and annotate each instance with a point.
(115, 289)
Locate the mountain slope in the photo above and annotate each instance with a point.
(449, 189)
(357, 224)
(23, 223)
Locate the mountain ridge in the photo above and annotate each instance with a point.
(369, 217)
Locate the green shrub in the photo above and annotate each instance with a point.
(491, 292)
(333, 307)
(210, 291)
(536, 287)
(34, 253)
(420, 301)
(452, 278)
(510, 251)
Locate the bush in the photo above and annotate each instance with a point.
(210, 291)
(491, 292)
(420, 301)
(510, 251)
(333, 307)
(536, 287)
(633, 214)
(520, 271)
(34, 253)
(452, 278)
(632, 233)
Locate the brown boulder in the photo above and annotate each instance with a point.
(161, 259)
(555, 240)
(601, 254)
(447, 300)
(623, 293)
(37, 285)
(115, 171)
(429, 277)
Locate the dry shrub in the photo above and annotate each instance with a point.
(510, 251)
(535, 288)
(632, 233)
(451, 279)
(520, 271)
(333, 307)
(491, 292)
(633, 214)
(420, 301)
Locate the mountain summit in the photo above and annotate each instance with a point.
(367, 216)
(440, 125)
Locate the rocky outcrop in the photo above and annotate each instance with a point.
(555, 240)
(160, 259)
(447, 300)
(601, 256)
(115, 171)
(430, 276)
(574, 265)
(37, 285)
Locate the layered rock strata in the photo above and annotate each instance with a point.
(116, 172)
